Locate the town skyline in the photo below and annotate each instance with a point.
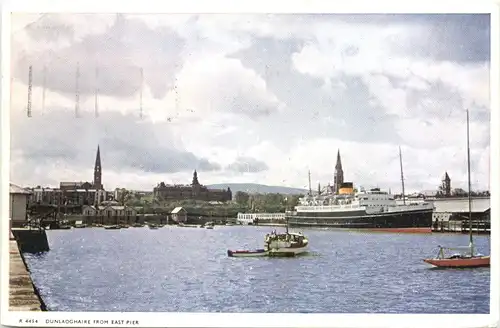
(214, 99)
(445, 188)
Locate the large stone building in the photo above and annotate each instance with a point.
(73, 193)
(194, 191)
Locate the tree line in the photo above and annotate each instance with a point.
(243, 203)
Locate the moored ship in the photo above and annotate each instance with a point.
(343, 207)
(373, 209)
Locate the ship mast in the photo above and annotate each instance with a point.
(470, 200)
(402, 176)
(310, 190)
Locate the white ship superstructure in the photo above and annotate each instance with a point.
(341, 206)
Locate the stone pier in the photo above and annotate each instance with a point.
(22, 294)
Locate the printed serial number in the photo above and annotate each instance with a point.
(28, 321)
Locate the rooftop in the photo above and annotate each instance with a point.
(15, 189)
(461, 205)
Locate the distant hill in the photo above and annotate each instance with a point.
(254, 188)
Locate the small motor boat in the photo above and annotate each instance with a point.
(247, 253)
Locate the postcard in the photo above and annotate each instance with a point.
(300, 164)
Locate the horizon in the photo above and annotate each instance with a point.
(213, 99)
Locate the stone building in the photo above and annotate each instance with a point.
(445, 188)
(18, 201)
(194, 191)
(73, 193)
(179, 215)
(109, 214)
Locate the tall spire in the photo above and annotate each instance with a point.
(338, 166)
(338, 178)
(98, 170)
(195, 179)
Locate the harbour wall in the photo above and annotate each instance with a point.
(23, 294)
(148, 218)
(31, 240)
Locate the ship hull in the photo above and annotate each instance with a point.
(419, 221)
(473, 262)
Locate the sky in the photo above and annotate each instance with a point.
(251, 98)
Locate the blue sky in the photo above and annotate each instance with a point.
(252, 98)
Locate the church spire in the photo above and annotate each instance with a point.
(98, 170)
(195, 179)
(338, 178)
(338, 166)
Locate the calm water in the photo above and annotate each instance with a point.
(187, 269)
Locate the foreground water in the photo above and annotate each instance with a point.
(176, 269)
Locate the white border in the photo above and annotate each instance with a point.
(259, 6)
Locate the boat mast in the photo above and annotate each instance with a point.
(402, 177)
(468, 177)
(310, 190)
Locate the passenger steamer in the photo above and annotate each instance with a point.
(373, 209)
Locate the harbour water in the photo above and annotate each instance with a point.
(175, 269)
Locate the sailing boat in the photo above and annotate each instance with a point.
(467, 259)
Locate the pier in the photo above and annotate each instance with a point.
(22, 293)
(480, 227)
(31, 240)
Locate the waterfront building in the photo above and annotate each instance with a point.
(18, 203)
(179, 214)
(457, 209)
(195, 191)
(49, 196)
(109, 214)
(251, 218)
(73, 193)
(452, 214)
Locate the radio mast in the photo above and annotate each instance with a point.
(30, 84)
(77, 91)
(96, 105)
(44, 87)
(140, 93)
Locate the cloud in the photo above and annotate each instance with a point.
(252, 98)
(58, 140)
(228, 86)
(118, 53)
(247, 164)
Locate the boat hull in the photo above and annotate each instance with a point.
(474, 262)
(287, 252)
(252, 253)
(419, 221)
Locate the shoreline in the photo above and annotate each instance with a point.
(23, 294)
